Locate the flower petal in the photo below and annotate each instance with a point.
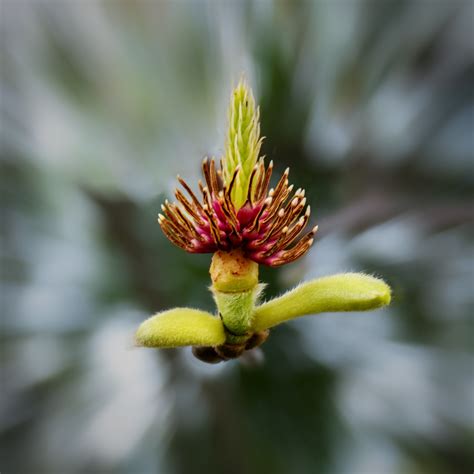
(344, 292)
(181, 327)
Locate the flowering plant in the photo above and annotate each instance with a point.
(245, 223)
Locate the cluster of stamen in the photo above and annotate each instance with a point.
(267, 227)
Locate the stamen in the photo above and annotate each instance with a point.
(256, 221)
(176, 240)
(213, 176)
(294, 233)
(249, 191)
(207, 197)
(207, 173)
(266, 181)
(184, 221)
(192, 211)
(194, 199)
(268, 201)
(282, 184)
(213, 226)
(231, 217)
(177, 229)
(201, 187)
(262, 180)
(232, 181)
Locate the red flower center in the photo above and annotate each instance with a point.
(267, 227)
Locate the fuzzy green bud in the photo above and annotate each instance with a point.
(181, 327)
(243, 141)
(344, 292)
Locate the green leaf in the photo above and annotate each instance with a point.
(344, 292)
(181, 327)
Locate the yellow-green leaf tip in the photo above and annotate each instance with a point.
(344, 292)
(180, 327)
(243, 141)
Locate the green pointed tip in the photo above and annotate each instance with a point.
(243, 141)
(180, 327)
(345, 292)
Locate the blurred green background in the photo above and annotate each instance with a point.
(103, 103)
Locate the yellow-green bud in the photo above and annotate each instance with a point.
(181, 327)
(344, 292)
(243, 141)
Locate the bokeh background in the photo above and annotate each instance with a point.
(103, 102)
